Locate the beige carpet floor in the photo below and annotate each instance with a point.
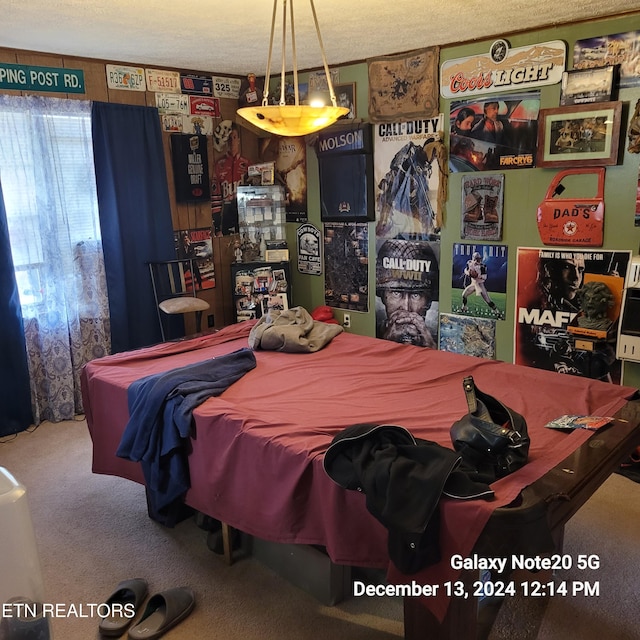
(93, 531)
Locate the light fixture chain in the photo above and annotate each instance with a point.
(284, 52)
(294, 58)
(265, 99)
(332, 94)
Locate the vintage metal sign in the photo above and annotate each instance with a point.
(503, 69)
(203, 106)
(172, 103)
(202, 85)
(22, 77)
(309, 248)
(572, 221)
(126, 78)
(226, 87)
(159, 80)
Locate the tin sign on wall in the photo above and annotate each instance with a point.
(226, 87)
(503, 69)
(22, 77)
(172, 103)
(202, 85)
(159, 80)
(126, 78)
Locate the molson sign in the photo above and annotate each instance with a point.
(503, 69)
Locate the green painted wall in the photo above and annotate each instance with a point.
(524, 189)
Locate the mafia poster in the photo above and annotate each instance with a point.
(553, 288)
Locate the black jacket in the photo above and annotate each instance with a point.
(403, 479)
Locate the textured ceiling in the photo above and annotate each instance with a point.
(232, 36)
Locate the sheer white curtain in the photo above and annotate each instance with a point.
(48, 182)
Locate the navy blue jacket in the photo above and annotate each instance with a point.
(160, 416)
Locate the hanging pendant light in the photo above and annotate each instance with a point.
(295, 119)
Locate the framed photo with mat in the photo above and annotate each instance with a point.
(585, 135)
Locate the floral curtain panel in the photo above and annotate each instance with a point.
(48, 182)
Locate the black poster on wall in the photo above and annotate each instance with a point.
(190, 167)
(346, 167)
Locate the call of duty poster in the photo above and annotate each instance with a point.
(407, 291)
(494, 132)
(554, 293)
(346, 265)
(408, 180)
(407, 177)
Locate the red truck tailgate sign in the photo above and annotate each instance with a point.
(572, 221)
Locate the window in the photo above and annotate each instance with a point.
(48, 183)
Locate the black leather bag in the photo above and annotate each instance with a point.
(492, 438)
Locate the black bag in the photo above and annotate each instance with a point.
(492, 439)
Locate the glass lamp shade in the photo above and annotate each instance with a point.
(292, 120)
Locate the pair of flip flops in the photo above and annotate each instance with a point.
(163, 611)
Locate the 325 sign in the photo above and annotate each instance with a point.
(226, 87)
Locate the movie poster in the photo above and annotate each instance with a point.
(479, 280)
(196, 244)
(346, 265)
(290, 158)
(482, 205)
(470, 336)
(554, 296)
(494, 132)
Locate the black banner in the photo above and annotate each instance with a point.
(190, 167)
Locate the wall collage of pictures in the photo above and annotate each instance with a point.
(492, 130)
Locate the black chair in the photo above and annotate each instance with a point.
(174, 290)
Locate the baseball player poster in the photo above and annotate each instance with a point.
(479, 280)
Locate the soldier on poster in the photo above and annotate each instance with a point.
(549, 298)
(408, 177)
(407, 287)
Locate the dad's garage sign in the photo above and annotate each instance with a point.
(575, 221)
(503, 69)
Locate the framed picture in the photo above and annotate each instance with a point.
(585, 135)
(585, 86)
(346, 97)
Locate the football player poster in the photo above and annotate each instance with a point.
(553, 285)
(479, 280)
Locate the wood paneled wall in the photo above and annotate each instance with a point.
(184, 215)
